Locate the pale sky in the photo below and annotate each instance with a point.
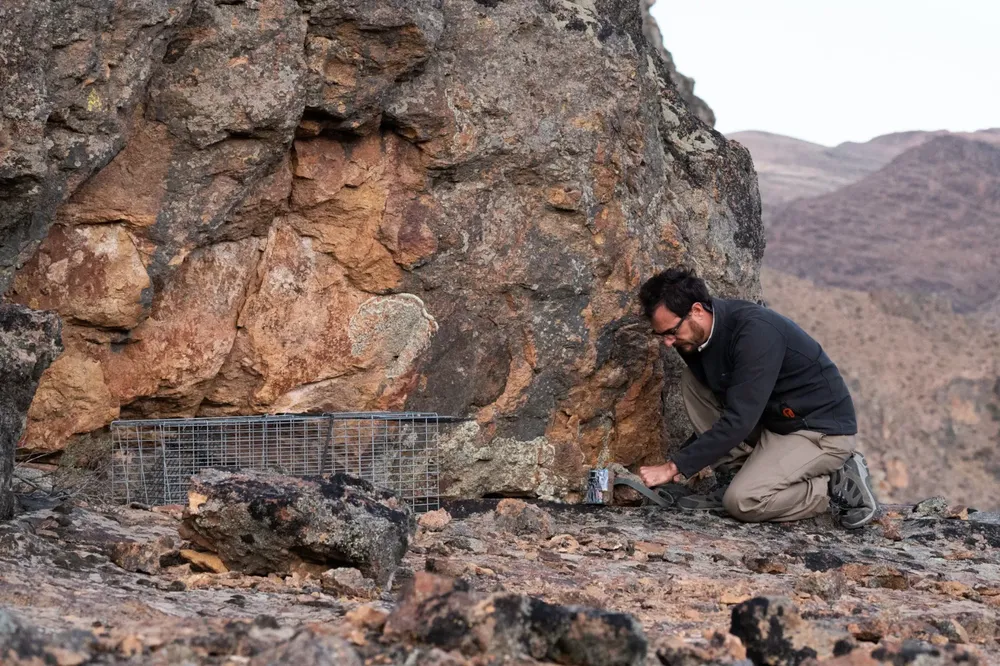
(844, 70)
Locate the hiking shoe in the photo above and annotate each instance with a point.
(705, 502)
(851, 493)
(712, 500)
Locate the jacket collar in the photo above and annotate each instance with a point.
(720, 320)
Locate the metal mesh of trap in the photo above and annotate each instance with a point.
(153, 459)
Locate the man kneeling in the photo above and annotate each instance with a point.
(771, 413)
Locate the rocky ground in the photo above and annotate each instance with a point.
(92, 585)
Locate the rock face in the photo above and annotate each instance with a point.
(291, 206)
(263, 523)
(71, 81)
(28, 343)
(684, 84)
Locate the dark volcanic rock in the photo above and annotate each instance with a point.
(261, 523)
(768, 627)
(29, 342)
(443, 612)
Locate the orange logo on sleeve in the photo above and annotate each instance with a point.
(788, 413)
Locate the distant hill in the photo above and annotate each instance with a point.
(925, 382)
(790, 168)
(928, 222)
(871, 247)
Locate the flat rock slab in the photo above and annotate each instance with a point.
(261, 523)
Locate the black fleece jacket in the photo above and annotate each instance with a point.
(765, 371)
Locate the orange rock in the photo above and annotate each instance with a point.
(72, 397)
(650, 548)
(208, 562)
(132, 187)
(732, 598)
(190, 332)
(91, 274)
(953, 588)
(367, 617)
(564, 198)
(434, 521)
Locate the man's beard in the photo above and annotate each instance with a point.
(699, 336)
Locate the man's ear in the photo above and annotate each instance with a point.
(697, 308)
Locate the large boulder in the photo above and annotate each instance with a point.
(261, 523)
(341, 205)
(29, 341)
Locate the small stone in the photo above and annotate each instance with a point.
(653, 550)
(952, 630)
(264, 522)
(764, 563)
(309, 648)
(870, 629)
(890, 527)
(933, 506)
(446, 567)
(731, 598)
(953, 588)
(367, 617)
(775, 633)
(130, 646)
(563, 543)
(349, 582)
(518, 517)
(141, 556)
(822, 560)
(204, 562)
(876, 575)
(434, 521)
(675, 557)
(957, 512)
(828, 585)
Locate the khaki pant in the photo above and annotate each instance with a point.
(783, 477)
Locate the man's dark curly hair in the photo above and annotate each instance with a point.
(675, 288)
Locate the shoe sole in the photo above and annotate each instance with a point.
(701, 508)
(866, 489)
(714, 507)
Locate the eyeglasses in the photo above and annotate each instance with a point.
(671, 332)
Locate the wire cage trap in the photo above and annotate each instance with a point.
(153, 459)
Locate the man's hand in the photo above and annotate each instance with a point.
(656, 475)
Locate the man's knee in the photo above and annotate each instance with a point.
(742, 506)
